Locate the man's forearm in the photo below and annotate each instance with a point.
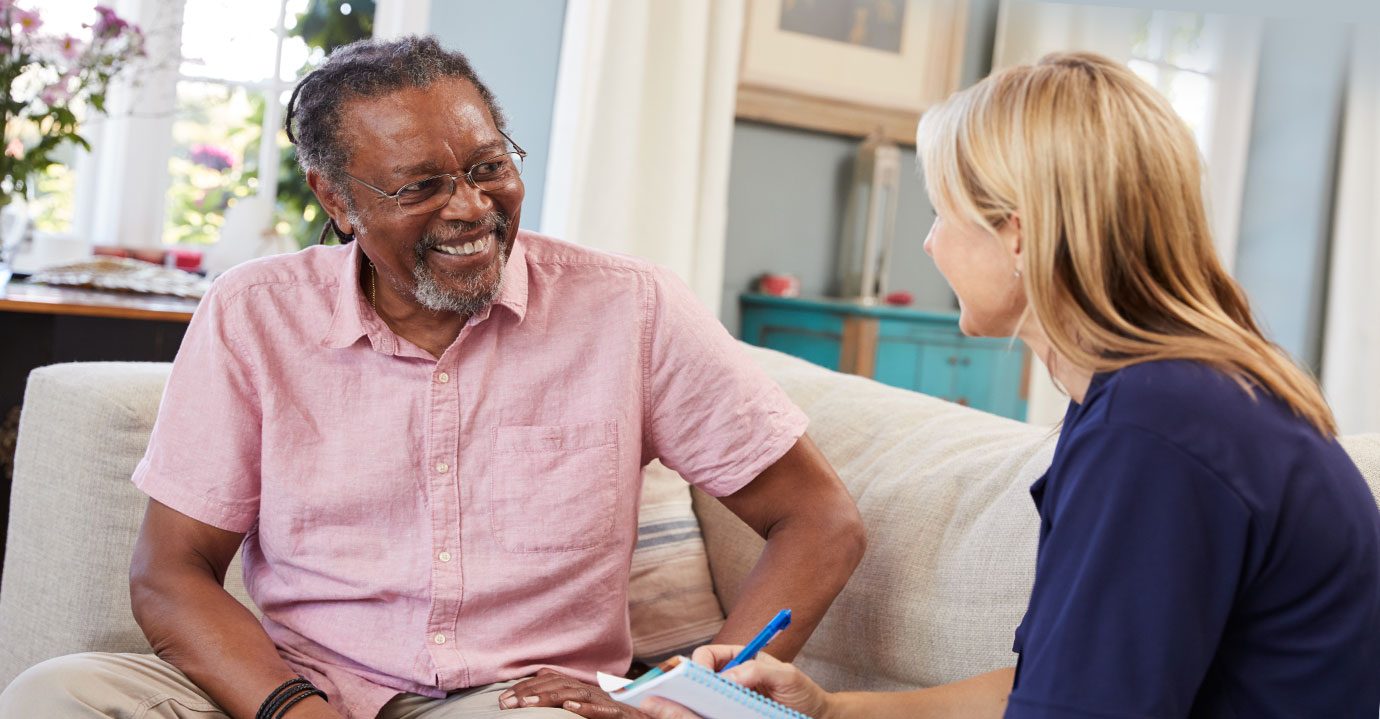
(195, 625)
(804, 566)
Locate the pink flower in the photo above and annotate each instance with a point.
(109, 24)
(70, 46)
(27, 20)
(15, 149)
(56, 93)
(211, 157)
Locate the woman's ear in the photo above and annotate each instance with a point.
(1015, 240)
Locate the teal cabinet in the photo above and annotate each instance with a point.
(799, 332)
(911, 349)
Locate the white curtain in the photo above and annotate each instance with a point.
(1351, 343)
(642, 132)
(120, 193)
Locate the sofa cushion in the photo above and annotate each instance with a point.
(74, 514)
(671, 602)
(1365, 452)
(944, 493)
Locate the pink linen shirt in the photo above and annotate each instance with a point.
(422, 525)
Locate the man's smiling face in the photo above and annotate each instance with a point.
(449, 259)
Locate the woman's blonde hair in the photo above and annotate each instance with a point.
(1106, 182)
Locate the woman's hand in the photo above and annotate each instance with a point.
(766, 675)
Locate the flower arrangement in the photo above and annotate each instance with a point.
(49, 82)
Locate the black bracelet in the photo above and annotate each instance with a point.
(275, 698)
(276, 706)
(290, 697)
(304, 695)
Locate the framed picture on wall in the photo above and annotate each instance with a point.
(850, 66)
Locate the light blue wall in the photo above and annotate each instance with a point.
(515, 46)
(1286, 209)
(788, 190)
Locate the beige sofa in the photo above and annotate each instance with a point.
(943, 490)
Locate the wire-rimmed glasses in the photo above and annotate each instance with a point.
(492, 174)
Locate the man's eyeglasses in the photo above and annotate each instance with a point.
(492, 174)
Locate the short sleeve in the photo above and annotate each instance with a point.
(203, 456)
(710, 413)
(1137, 573)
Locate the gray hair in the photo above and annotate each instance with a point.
(366, 69)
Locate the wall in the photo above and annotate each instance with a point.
(788, 190)
(1286, 214)
(515, 46)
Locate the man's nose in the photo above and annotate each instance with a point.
(468, 203)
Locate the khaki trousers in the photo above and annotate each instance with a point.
(140, 686)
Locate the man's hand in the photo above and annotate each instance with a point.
(550, 688)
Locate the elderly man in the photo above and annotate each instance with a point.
(428, 443)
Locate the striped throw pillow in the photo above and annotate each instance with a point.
(671, 597)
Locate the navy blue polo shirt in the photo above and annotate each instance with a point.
(1202, 554)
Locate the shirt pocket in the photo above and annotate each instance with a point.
(553, 488)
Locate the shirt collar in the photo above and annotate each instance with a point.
(354, 318)
(513, 292)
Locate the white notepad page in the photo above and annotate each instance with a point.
(699, 690)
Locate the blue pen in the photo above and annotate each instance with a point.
(764, 637)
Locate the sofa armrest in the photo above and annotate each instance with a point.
(74, 514)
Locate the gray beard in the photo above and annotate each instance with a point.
(474, 294)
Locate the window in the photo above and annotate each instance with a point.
(237, 62)
(185, 143)
(1205, 64)
(1170, 52)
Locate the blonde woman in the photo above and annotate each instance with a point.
(1206, 548)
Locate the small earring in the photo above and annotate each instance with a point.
(1018, 273)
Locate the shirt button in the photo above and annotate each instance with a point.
(443, 378)
(442, 467)
(444, 556)
(439, 639)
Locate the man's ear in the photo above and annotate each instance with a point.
(331, 201)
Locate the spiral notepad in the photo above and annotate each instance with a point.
(703, 692)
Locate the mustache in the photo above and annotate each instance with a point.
(495, 221)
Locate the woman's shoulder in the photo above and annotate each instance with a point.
(1183, 397)
(1245, 436)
